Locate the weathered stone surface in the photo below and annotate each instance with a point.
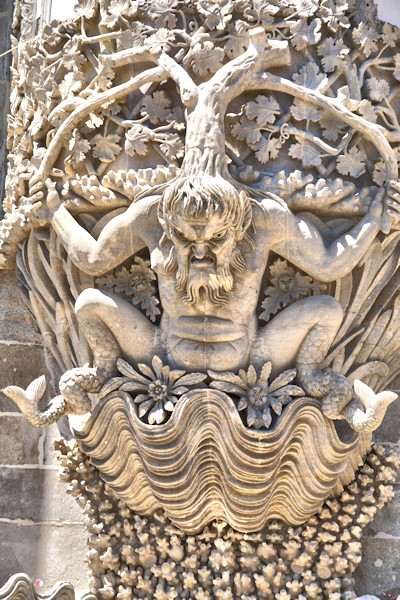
(16, 322)
(387, 521)
(37, 495)
(21, 363)
(379, 569)
(44, 552)
(389, 432)
(19, 441)
(5, 33)
(4, 96)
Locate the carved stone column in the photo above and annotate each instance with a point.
(204, 210)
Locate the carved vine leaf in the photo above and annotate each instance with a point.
(161, 40)
(333, 13)
(157, 107)
(85, 9)
(238, 41)
(352, 162)
(217, 15)
(257, 396)
(379, 174)
(378, 89)
(310, 76)
(72, 58)
(163, 13)
(332, 129)
(264, 110)
(267, 149)
(246, 130)
(136, 284)
(303, 111)
(106, 147)
(305, 34)
(366, 37)
(136, 140)
(286, 286)
(105, 76)
(307, 152)
(171, 146)
(119, 10)
(333, 52)
(262, 11)
(72, 83)
(131, 38)
(206, 58)
(78, 149)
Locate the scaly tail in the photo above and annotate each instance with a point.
(332, 388)
(28, 403)
(375, 406)
(75, 385)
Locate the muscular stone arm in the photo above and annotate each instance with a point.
(120, 238)
(301, 243)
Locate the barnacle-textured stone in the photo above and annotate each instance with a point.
(132, 556)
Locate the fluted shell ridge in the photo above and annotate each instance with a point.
(204, 464)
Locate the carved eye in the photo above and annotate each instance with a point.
(179, 234)
(220, 235)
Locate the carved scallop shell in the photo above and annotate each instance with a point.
(204, 464)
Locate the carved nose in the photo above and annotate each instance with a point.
(199, 250)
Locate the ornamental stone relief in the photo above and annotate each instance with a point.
(204, 208)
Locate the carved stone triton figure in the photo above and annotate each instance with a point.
(209, 246)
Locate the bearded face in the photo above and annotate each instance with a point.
(205, 258)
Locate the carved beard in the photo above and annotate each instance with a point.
(209, 286)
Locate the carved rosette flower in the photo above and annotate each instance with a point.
(286, 286)
(137, 283)
(256, 394)
(158, 387)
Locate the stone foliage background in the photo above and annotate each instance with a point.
(41, 529)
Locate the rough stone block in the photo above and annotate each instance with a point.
(36, 495)
(20, 364)
(379, 570)
(47, 552)
(16, 321)
(6, 6)
(53, 433)
(389, 431)
(4, 99)
(5, 33)
(387, 520)
(20, 441)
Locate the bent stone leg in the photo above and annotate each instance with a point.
(287, 334)
(301, 335)
(115, 328)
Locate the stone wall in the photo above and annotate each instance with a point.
(6, 8)
(41, 530)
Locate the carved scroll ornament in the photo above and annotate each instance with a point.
(230, 322)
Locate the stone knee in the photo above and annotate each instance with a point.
(325, 310)
(87, 303)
